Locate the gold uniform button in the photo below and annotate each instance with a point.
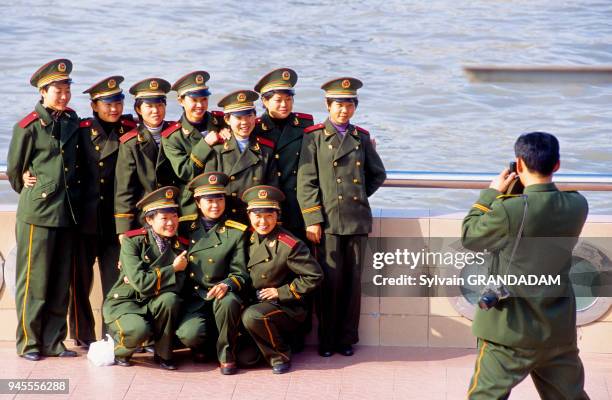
(216, 245)
(62, 151)
(234, 194)
(192, 241)
(101, 197)
(101, 163)
(210, 260)
(340, 197)
(191, 258)
(267, 259)
(335, 163)
(207, 276)
(232, 178)
(355, 198)
(101, 180)
(339, 180)
(294, 172)
(263, 276)
(116, 295)
(196, 287)
(358, 163)
(278, 173)
(297, 154)
(255, 179)
(233, 210)
(192, 274)
(44, 195)
(98, 148)
(276, 156)
(66, 169)
(355, 180)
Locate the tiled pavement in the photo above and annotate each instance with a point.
(379, 373)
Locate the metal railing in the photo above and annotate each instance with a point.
(470, 180)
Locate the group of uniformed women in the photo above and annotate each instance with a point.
(171, 201)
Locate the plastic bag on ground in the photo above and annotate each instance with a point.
(102, 352)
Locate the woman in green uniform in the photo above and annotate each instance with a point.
(144, 303)
(246, 159)
(217, 274)
(283, 273)
(142, 165)
(42, 168)
(188, 143)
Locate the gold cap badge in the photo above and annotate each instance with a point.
(212, 179)
(262, 194)
(286, 75)
(199, 79)
(153, 85)
(61, 67)
(112, 84)
(241, 97)
(346, 84)
(169, 194)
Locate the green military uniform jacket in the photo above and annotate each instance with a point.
(281, 261)
(254, 166)
(100, 151)
(149, 273)
(335, 178)
(215, 256)
(142, 167)
(54, 199)
(187, 152)
(535, 316)
(287, 147)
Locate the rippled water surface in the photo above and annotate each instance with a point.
(416, 100)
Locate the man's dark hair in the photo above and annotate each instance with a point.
(539, 151)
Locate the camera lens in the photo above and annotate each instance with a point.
(488, 300)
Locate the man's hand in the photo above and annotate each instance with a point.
(180, 262)
(503, 180)
(313, 233)
(126, 280)
(225, 133)
(29, 180)
(218, 291)
(268, 294)
(212, 138)
(121, 236)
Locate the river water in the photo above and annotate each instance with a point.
(416, 101)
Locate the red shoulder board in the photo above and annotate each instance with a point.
(360, 129)
(31, 117)
(136, 232)
(86, 123)
(131, 134)
(218, 113)
(183, 240)
(304, 116)
(288, 240)
(173, 127)
(314, 128)
(266, 142)
(129, 123)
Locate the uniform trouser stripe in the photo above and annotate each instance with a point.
(121, 335)
(25, 297)
(75, 304)
(478, 361)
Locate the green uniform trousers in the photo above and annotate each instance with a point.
(270, 327)
(82, 323)
(44, 258)
(219, 318)
(130, 330)
(557, 372)
(338, 302)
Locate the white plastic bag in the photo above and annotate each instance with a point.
(102, 352)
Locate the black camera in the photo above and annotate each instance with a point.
(491, 295)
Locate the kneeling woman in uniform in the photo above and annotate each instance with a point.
(217, 274)
(144, 303)
(282, 271)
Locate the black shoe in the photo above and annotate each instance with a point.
(325, 353)
(68, 353)
(168, 365)
(346, 350)
(150, 349)
(32, 356)
(281, 368)
(139, 350)
(228, 368)
(123, 362)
